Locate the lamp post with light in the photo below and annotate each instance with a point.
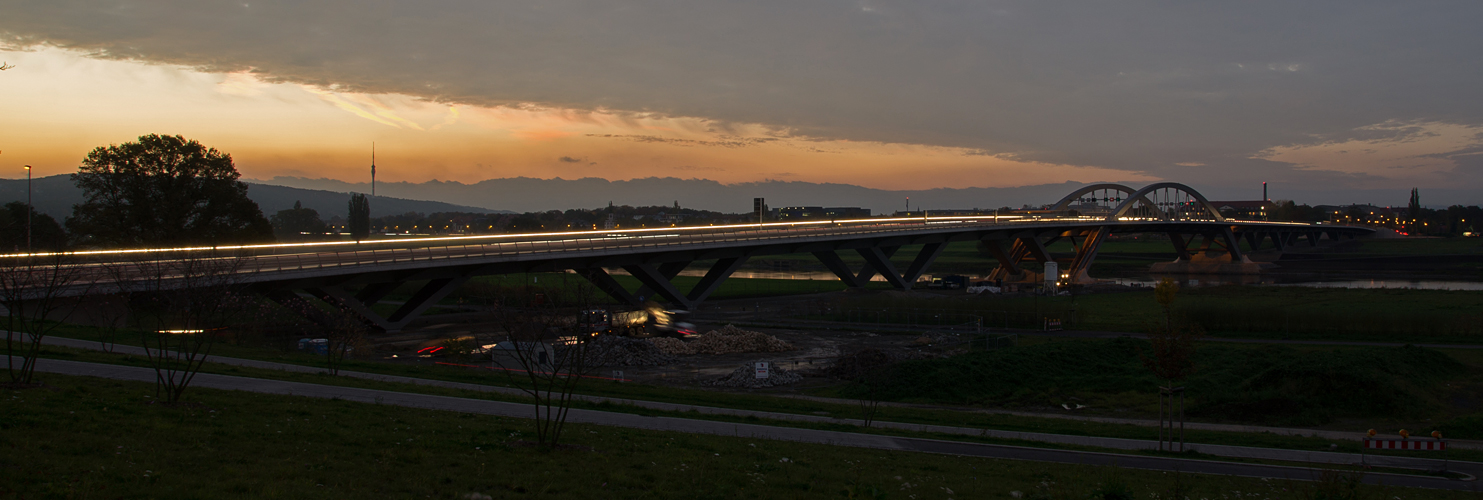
(28, 209)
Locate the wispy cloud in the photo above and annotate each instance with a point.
(726, 142)
(346, 105)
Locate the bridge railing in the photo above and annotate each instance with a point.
(599, 243)
(321, 260)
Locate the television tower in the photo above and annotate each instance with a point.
(373, 169)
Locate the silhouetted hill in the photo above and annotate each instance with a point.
(524, 194)
(56, 194)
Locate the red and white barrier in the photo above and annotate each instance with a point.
(1405, 444)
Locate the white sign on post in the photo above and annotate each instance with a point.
(1052, 273)
(761, 369)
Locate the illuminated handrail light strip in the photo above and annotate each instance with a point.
(609, 233)
(595, 232)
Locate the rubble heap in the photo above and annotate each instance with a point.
(671, 346)
(724, 341)
(746, 377)
(860, 363)
(612, 350)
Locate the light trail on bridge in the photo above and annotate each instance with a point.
(615, 233)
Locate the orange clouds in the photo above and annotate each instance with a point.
(276, 129)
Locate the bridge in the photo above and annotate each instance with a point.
(357, 275)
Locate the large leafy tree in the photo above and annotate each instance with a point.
(360, 217)
(298, 223)
(46, 233)
(163, 190)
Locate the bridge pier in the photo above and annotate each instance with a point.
(1219, 252)
(660, 280)
(878, 261)
(1081, 265)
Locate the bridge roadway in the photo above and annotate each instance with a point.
(358, 275)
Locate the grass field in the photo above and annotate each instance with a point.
(1133, 402)
(1269, 385)
(1388, 315)
(84, 438)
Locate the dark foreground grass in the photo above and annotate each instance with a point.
(80, 437)
(1383, 315)
(1271, 385)
(764, 402)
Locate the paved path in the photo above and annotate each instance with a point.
(1101, 442)
(670, 424)
(751, 320)
(1072, 415)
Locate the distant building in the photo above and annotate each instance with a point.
(816, 213)
(942, 212)
(846, 212)
(800, 213)
(1251, 210)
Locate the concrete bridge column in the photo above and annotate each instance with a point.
(605, 282)
(1086, 253)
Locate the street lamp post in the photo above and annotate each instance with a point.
(28, 209)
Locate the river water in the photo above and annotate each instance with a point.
(1374, 283)
(1196, 280)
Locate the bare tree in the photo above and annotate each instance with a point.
(181, 305)
(345, 336)
(546, 354)
(33, 289)
(1171, 360)
(867, 370)
(107, 314)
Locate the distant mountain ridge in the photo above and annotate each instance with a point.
(55, 195)
(526, 194)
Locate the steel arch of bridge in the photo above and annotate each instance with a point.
(1142, 195)
(1079, 195)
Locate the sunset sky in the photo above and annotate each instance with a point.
(1326, 97)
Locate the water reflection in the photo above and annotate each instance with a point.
(1216, 280)
(1187, 280)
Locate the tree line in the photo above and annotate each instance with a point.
(164, 190)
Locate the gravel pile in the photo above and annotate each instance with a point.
(746, 377)
(860, 362)
(671, 346)
(612, 350)
(940, 338)
(724, 341)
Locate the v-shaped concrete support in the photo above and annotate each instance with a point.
(924, 259)
(1086, 253)
(655, 280)
(605, 282)
(877, 259)
(722, 269)
(668, 270)
(360, 303)
(338, 297)
(869, 271)
(837, 266)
